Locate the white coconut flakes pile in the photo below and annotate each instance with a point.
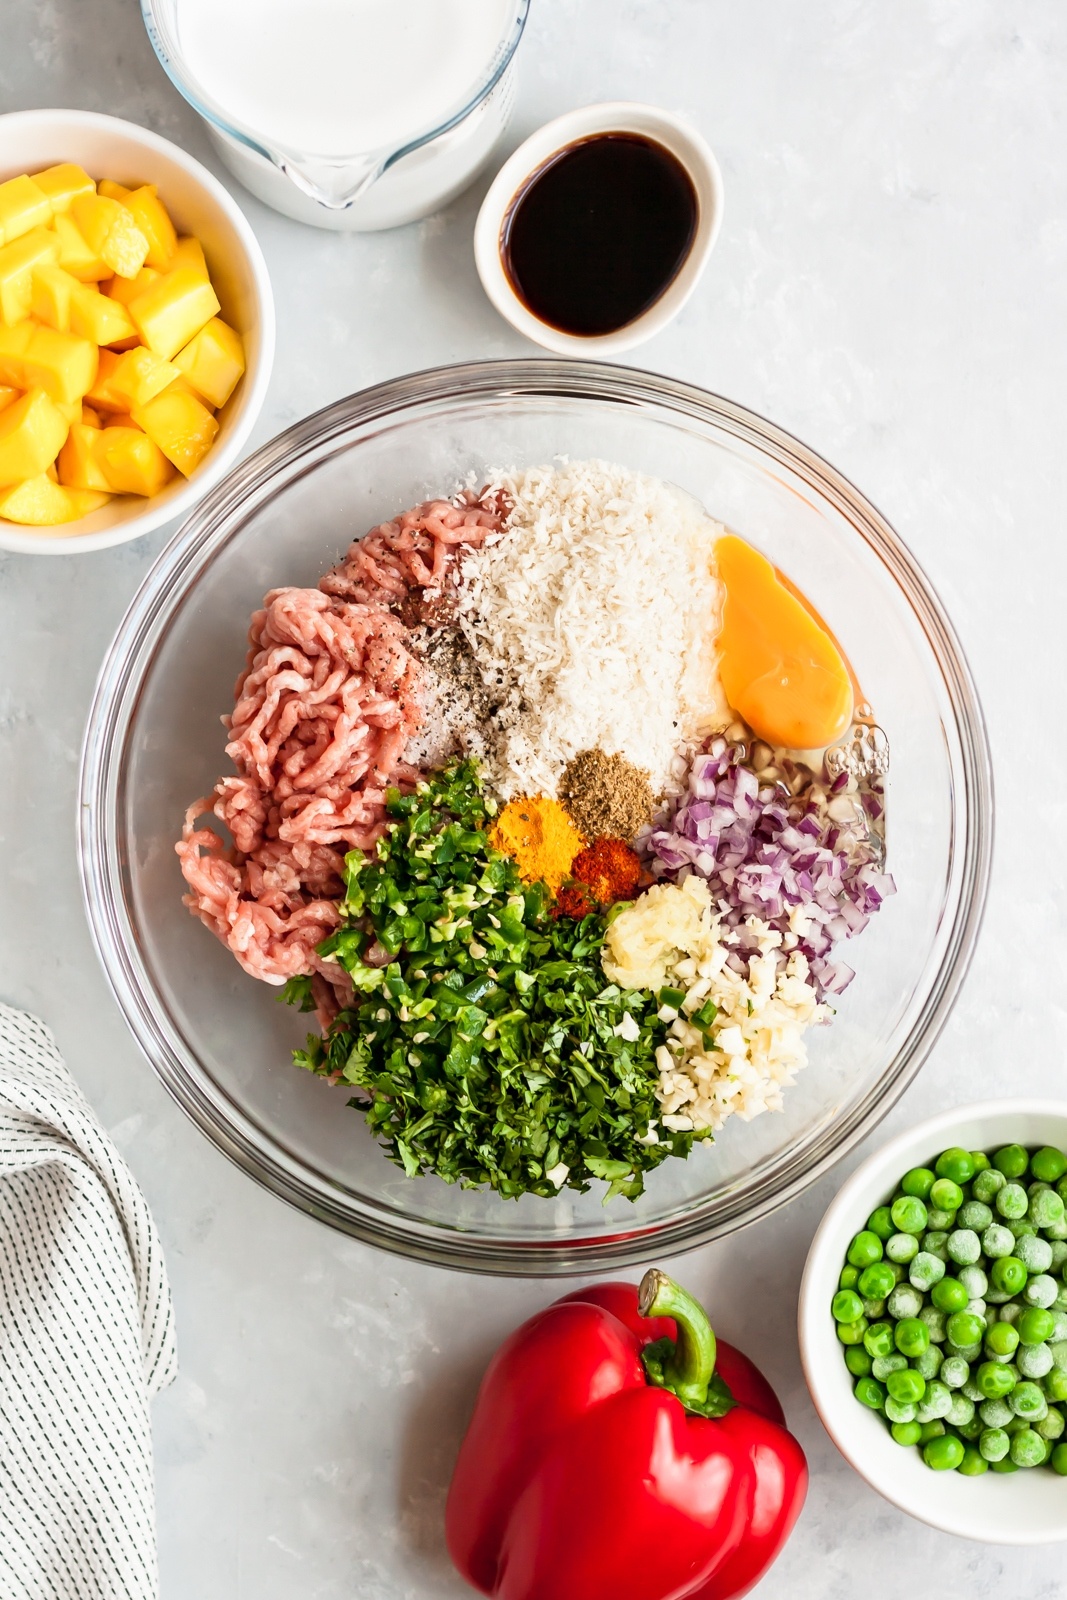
(593, 619)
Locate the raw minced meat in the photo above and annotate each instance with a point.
(327, 704)
(323, 712)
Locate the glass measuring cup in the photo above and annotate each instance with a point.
(328, 162)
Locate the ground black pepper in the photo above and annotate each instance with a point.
(459, 709)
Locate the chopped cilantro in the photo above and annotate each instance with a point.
(490, 1048)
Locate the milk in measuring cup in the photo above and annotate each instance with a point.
(341, 79)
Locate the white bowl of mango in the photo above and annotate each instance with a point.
(136, 331)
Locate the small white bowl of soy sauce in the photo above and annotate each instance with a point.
(596, 231)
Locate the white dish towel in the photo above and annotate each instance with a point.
(86, 1340)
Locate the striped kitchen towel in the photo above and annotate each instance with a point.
(86, 1339)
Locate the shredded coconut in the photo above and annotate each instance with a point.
(739, 1063)
(593, 618)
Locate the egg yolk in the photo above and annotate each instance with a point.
(782, 672)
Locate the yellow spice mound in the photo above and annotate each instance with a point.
(540, 838)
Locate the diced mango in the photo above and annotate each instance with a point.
(213, 361)
(22, 206)
(131, 462)
(61, 184)
(33, 357)
(189, 252)
(32, 431)
(41, 503)
(126, 289)
(183, 428)
(78, 465)
(14, 345)
(111, 233)
(13, 348)
(50, 295)
(173, 309)
(96, 317)
(101, 395)
(98, 295)
(150, 215)
(122, 291)
(181, 385)
(75, 256)
(138, 376)
(17, 262)
(60, 301)
(63, 364)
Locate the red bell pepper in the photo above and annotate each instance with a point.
(619, 1452)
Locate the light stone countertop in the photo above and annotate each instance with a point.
(891, 285)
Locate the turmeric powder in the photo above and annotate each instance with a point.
(540, 838)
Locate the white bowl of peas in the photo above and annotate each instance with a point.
(933, 1321)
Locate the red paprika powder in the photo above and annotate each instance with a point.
(608, 870)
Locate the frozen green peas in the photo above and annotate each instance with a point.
(951, 1311)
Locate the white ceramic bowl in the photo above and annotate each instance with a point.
(1021, 1508)
(613, 116)
(109, 148)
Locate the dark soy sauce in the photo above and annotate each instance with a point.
(599, 232)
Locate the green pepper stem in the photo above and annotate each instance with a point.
(688, 1369)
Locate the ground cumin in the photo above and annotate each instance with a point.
(540, 838)
(606, 795)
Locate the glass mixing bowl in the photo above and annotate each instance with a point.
(220, 1041)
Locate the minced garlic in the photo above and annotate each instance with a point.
(739, 1061)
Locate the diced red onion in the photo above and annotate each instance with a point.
(764, 855)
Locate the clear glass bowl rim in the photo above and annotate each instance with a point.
(114, 702)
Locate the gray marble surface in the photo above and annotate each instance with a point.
(890, 284)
